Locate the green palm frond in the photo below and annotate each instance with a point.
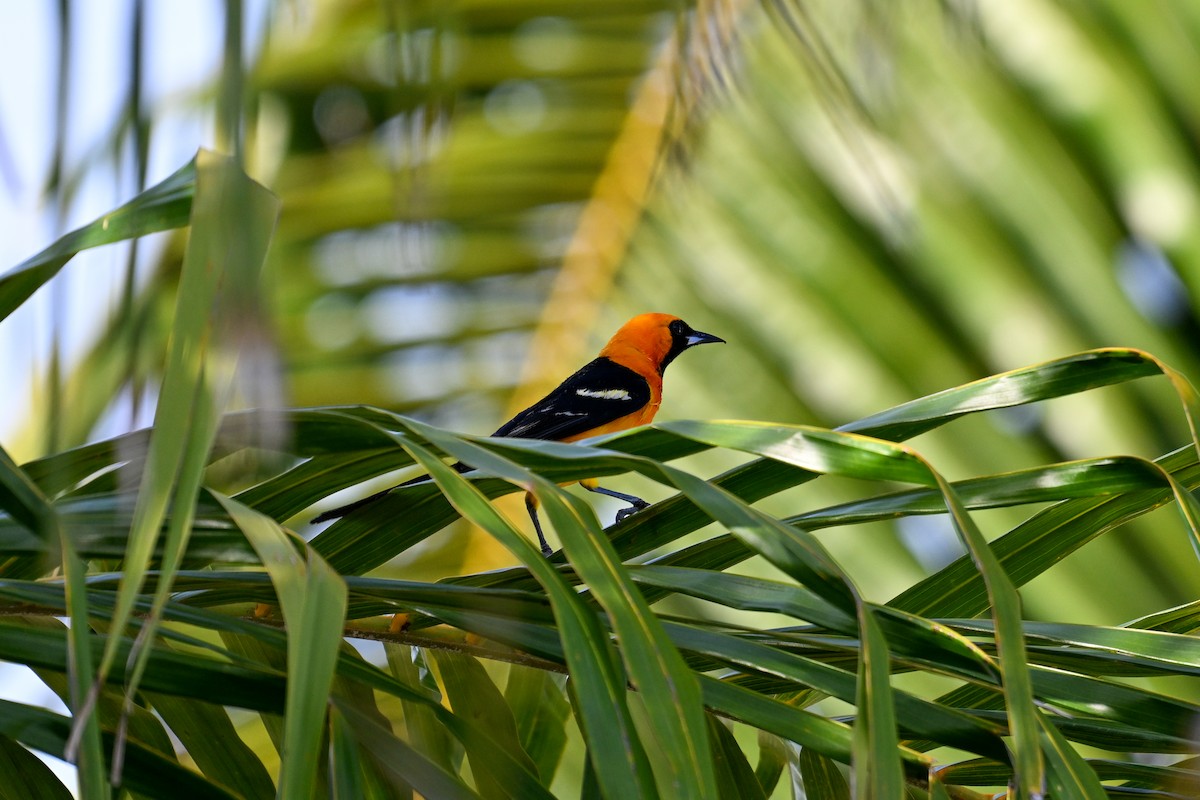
(989, 586)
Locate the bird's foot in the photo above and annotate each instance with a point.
(637, 506)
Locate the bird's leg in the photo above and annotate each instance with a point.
(531, 504)
(635, 503)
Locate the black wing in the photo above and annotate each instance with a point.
(597, 394)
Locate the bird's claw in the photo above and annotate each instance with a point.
(633, 509)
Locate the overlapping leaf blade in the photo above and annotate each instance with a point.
(345, 445)
(162, 207)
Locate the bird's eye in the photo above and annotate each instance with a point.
(677, 327)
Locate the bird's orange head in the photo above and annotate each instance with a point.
(652, 341)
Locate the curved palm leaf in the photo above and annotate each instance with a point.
(739, 663)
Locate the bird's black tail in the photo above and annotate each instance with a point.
(341, 511)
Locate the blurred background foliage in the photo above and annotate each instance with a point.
(871, 201)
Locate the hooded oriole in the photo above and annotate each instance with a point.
(621, 388)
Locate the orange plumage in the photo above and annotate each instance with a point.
(620, 389)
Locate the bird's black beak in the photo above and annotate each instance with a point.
(684, 336)
(699, 337)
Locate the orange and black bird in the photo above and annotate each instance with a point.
(619, 389)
